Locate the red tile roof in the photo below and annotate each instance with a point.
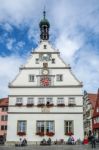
(4, 102)
(92, 99)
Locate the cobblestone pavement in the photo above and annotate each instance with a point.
(52, 147)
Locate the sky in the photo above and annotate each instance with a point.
(74, 30)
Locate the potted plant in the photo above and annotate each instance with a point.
(21, 133)
(50, 133)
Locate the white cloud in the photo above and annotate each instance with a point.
(9, 67)
(10, 42)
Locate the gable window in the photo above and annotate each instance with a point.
(31, 78)
(41, 102)
(37, 60)
(49, 101)
(30, 101)
(60, 101)
(21, 127)
(68, 127)
(45, 46)
(53, 60)
(59, 77)
(71, 101)
(19, 101)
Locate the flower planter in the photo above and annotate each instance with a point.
(40, 133)
(69, 134)
(71, 105)
(49, 105)
(61, 105)
(50, 133)
(21, 133)
(40, 105)
(30, 105)
(18, 104)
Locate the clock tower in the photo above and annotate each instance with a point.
(45, 98)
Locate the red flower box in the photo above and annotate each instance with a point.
(50, 133)
(30, 105)
(40, 105)
(21, 133)
(18, 104)
(49, 105)
(61, 105)
(40, 133)
(69, 133)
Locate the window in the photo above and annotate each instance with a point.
(5, 109)
(45, 127)
(41, 100)
(53, 60)
(59, 77)
(37, 60)
(21, 126)
(49, 100)
(30, 100)
(4, 118)
(60, 100)
(71, 101)
(31, 78)
(3, 127)
(45, 46)
(19, 100)
(69, 127)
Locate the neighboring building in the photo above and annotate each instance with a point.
(3, 116)
(45, 99)
(89, 101)
(96, 117)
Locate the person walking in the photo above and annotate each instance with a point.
(93, 141)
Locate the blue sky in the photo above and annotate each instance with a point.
(74, 31)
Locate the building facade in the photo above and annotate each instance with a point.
(3, 116)
(45, 98)
(89, 101)
(95, 118)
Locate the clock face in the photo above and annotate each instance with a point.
(45, 81)
(45, 72)
(45, 57)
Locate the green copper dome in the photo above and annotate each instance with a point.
(44, 21)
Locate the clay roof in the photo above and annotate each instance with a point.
(4, 102)
(92, 99)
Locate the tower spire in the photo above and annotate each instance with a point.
(44, 27)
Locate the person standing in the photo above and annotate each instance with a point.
(93, 141)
